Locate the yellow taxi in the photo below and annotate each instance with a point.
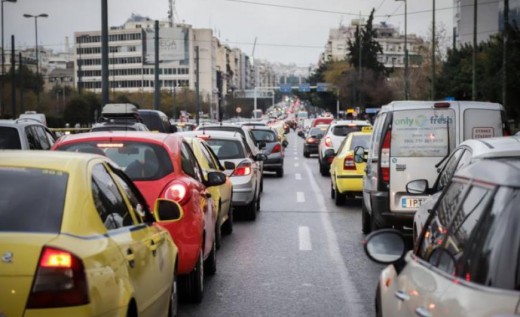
(347, 168)
(221, 195)
(78, 239)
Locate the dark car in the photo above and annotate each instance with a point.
(267, 139)
(312, 139)
(156, 120)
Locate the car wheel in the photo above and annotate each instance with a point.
(250, 210)
(365, 219)
(279, 172)
(210, 265)
(174, 298)
(227, 227)
(376, 222)
(258, 203)
(323, 170)
(262, 184)
(332, 191)
(306, 154)
(339, 198)
(192, 285)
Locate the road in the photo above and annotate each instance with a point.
(301, 257)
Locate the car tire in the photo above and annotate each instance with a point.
(192, 285)
(227, 227)
(258, 203)
(332, 191)
(323, 170)
(279, 172)
(218, 234)
(366, 227)
(173, 305)
(262, 184)
(306, 154)
(250, 210)
(339, 198)
(210, 264)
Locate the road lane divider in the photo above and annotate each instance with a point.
(298, 176)
(304, 236)
(300, 197)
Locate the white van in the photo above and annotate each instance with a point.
(409, 142)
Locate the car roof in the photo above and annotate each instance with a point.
(213, 134)
(350, 122)
(505, 172)
(52, 160)
(21, 122)
(135, 135)
(421, 104)
(493, 147)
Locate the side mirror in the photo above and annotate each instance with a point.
(301, 134)
(385, 246)
(360, 154)
(260, 157)
(229, 165)
(418, 186)
(285, 143)
(215, 179)
(167, 210)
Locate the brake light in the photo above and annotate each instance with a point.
(277, 148)
(177, 192)
(60, 281)
(348, 163)
(243, 169)
(385, 157)
(441, 105)
(328, 141)
(311, 140)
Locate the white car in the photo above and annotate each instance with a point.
(470, 263)
(466, 153)
(331, 140)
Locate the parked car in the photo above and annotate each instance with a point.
(312, 139)
(329, 143)
(410, 138)
(221, 195)
(25, 134)
(241, 167)
(348, 167)
(466, 153)
(164, 166)
(267, 139)
(469, 266)
(77, 239)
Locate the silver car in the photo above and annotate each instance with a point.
(267, 139)
(241, 166)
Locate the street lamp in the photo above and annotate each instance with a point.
(41, 15)
(3, 59)
(405, 52)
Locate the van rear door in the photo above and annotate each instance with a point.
(419, 140)
(481, 120)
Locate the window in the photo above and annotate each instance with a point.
(137, 201)
(42, 137)
(32, 138)
(209, 158)
(9, 139)
(108, 200)
(189, 163)
(376, 135)
(449, 168)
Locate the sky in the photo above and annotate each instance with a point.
(286, 31)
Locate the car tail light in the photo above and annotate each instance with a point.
(385, 157)
(60, 281)
(178, 192)
(311, 140)
(328, 141)
(243, 169)
(348, 163)
(441, 105)
(277, 148)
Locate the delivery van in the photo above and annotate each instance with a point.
(410, 140)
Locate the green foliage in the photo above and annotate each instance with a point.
(77, 111)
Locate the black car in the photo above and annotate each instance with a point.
(312, 140)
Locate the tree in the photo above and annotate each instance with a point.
(77, 111)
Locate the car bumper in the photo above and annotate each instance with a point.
(273, 163)
(379, 202)
(243, 190)
(349, 183)
(310, 148)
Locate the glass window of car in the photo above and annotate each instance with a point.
(109, 202)
(263, 135)
(32, 199)
(9, 139)
(227, 149)
(344, 130)
(32, 138)
(449, 168)
(189, 163)
(376, 136)
(360, 140)
(208, 157)
(42, 137)
(422, 133)
(493, 253)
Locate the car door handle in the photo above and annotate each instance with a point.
(207, 194)
(422, 312)
(130, 257)
(153, 246)
(401, 295)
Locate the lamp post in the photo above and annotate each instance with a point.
(41, 15)
(405, 52)
(3, 60)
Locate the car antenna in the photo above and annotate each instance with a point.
(449, 150)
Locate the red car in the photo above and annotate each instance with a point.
(163, 165)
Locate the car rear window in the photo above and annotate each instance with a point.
(264, 135)
(227, 149)
(31, 200)
(9, 139)
(140, 160)
(344, 130)
(422, 132)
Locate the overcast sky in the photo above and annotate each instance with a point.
(287, 31)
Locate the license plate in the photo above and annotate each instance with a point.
(411, 202)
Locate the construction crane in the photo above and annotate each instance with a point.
(171, 12)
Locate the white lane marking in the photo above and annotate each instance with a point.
(350, 293)
(300, 197)
(298, 176)
(296, 164)
(305, 238)
(295, 157)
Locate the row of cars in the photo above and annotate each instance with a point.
(447, 172)
(123, 223)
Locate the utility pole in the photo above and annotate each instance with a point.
(20, 65)
(104, 53)
(157, 83)
(433, 51)
(474, 81)
(197, 105)
(504, 50)
(13, 76)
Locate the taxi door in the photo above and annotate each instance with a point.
(148, 261)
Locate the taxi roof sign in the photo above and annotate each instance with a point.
(366, 129)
